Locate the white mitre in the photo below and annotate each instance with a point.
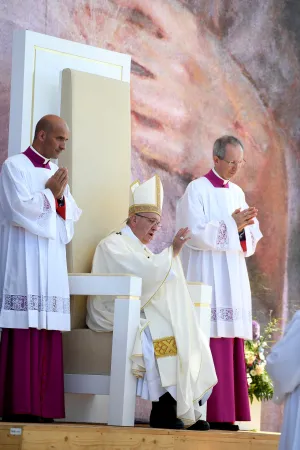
(146, 197)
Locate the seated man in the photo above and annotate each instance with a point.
(283, 366)
(176, 370)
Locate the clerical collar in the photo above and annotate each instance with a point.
(127, 231)
(45, 160)
(37, 159)
(216, 180)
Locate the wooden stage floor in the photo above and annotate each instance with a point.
(102, 437)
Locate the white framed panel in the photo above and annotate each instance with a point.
(37, 64)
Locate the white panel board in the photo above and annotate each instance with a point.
(47, 81)
(37, 64)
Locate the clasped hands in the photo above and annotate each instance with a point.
(242, 220)
(245, 217)
(58, 182)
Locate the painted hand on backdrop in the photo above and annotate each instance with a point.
(187, 91)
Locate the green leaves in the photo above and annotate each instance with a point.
(260, 385)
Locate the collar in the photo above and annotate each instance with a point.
(216, 173)
(45, 160)
(127, 231)
(37, 159)
(216, 180)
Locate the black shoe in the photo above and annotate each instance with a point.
(167, 399)
(164, 414)
(176, 424)
(200, 425)
(225, 426)
(20, 418)
(45, 420)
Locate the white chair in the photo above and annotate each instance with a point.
(98, 364)
(120, 384)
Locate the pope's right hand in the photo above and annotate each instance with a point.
(179, 240)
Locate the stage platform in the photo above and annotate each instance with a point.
(101, 437)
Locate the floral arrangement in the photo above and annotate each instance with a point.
(260, 385)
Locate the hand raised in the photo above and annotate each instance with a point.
(179, 240)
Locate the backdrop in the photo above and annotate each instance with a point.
(200, 69)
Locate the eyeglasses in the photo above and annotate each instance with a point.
(153, 222)
(234, 163)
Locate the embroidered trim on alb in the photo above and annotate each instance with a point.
(229, 314)
(36, 303)
(46, 210)
(222, 238)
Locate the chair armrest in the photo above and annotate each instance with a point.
(103, 284)
(201, 296)
(200, 293)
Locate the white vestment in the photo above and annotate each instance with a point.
(34, 289)
(171, 318)
(214, 255)
(283, 366)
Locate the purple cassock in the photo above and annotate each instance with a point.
(31, 364)
(31, 374)
(229, 400)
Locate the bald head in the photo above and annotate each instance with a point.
(51, 135)
(46, 124)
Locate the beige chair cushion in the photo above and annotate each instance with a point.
(87, 352)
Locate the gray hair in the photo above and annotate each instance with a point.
(219, 148)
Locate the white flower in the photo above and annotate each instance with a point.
(249, 379)
(259, 370)
(253, 372)
(250, 359)
(261, 356)
(264, 344)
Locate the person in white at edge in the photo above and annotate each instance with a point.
(171, 356)
(283, 366)
(37, 215)
(224, 230)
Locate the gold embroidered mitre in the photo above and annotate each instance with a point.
(146, 197)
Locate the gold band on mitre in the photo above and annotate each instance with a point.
(136, 209)
(146, 197)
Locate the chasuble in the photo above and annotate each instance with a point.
(182, 352)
